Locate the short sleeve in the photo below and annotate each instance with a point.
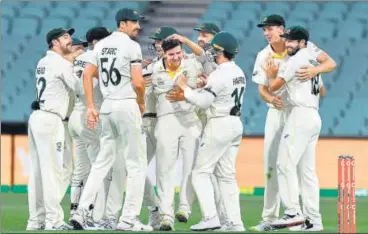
(214, 84)
(67, 75)
(135, 54)
(92, 58)
(314, 50)
(258, 75)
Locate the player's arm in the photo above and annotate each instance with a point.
(326, 64)
(197, 50)
(66, 74)
(284, 74)
(322, 91)
(89, 72)
(202, 98)
(137, 75)
(260, 75)
(73, 55)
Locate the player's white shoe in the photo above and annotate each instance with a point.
(134, 225)
(206, 224)
(297, 228)
(154, 218)
(262, 226)
(167, 224)
(35, 227)
(310, 227)
(107, 224)
(60, 226)
(79, 219)
(288, 221)
(223, 219)
(92, 225)
(231, 227)
(182, 216)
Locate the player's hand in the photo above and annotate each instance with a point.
(202, 80)
(178, 37)
(306, 72)
(182, 82)
(270, 68)
(277, 102)
(175, 95)
(92, 118)
(146, 62)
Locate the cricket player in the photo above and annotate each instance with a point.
(273, 26)
(299, 136)
(118, 59)
(46, 134)
(150, 120)
(86, 141)
(185, 129)
(207, 31)
(222, 97)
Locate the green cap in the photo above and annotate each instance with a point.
(163, 33)
(127, 14)
(57, 32)
(225, 41)
(296, 33)
(208, 27)
(272, 20)
(77, 41)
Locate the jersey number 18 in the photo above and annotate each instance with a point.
(109, 72)
(315, 85)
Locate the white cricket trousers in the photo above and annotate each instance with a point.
(122, 127)
(275, 122)
(150, 197)
(174, 133)
(219, 203)
(297, 153)
(114, 201)
(47, 186)
(217, 155)
(87, 146)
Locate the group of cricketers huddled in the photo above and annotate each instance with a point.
(103, 113)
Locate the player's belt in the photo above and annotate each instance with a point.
(150, 115)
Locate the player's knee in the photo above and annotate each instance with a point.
(283, 168)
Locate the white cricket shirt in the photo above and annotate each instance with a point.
(79, 65)
(260, 77)
(54, 82)
(299, 93)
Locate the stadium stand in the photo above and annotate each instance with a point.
(339, 28)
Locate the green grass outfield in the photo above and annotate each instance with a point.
(15, 213)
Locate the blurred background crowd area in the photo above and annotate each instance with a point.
(339, 28)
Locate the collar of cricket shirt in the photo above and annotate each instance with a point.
(276, 55)
(172, 74)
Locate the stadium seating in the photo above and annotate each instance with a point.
(339, 28)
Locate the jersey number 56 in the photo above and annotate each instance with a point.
(107, 68)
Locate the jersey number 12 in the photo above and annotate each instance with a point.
(41, 85)
(109, 72)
